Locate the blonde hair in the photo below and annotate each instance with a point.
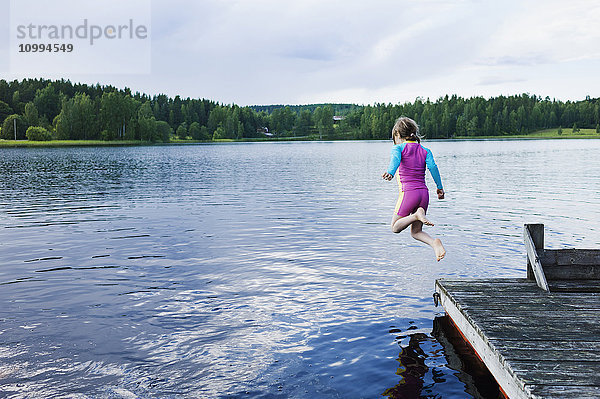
(407, 129)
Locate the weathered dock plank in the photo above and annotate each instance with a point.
(570, 256)
(573, 272)
(575, 286)
(558, 351)
(537, 344)
(566, 392)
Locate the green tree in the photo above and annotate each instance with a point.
(116, 112)
(240, 130)
(553, 120)
(47, 101)
(204, 133)
(364, 131)
(324, 122)
(5, 110)
(38, 133)
(16, 101)
(597, 128)
(8, 128)
(219, 133)
(146, 122)
(277, 122)
(536, 118)
(488, 128)
(380, 128)
(514, 125)
(473, 126)
(575, 128)
(461, 126)
(148, 129)
(250, 119)
(446, 123)
(182, 131)
(230, 126)
(522, 120)
(304, 123)
(216, 118)
(586, 113)
(83, 123)
(30, 116)
(282, 121)
(77, 119)
(176, 108)
(289, 119)
(560, 130)
(186, 114)
(164, 131)
(63, 123)
(327, 121)
(195, 131)
(105, 135)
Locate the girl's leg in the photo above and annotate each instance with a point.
(400, 223)
(417, 233)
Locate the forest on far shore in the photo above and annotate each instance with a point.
(61, 110)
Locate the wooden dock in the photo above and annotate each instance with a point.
(538, 336)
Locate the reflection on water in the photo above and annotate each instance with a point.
(261, 270)
(424, 362)
(412, 370)
(461, 358)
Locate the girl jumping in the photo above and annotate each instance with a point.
(409, 158)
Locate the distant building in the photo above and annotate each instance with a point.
(264, 130)
(338, 119)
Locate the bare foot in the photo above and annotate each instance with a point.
(440, 252)
(420, 215)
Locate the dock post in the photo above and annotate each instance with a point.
(533, 257)
(537, 236)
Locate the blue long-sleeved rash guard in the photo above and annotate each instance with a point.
(396, 157)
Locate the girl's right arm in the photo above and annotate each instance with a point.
(395, 159)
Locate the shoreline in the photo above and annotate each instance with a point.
(133, 143)
(69, 143)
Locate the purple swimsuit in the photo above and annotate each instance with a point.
(410, 160)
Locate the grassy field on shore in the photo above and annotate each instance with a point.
(69, 143)
(540, 134)
(101, 143)
(543, 134)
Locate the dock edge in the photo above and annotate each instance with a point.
(506, 378)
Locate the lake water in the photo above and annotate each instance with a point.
(261, 269)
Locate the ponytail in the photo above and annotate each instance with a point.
(414, 137)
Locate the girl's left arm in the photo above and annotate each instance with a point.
(433, 169)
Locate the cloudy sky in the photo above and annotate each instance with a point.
(304, 51)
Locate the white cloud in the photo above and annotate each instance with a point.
(277, 52)
(267, 51)
(544, 32)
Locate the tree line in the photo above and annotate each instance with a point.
(42, 110)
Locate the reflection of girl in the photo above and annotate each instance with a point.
(412, 370)
(409, 158)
